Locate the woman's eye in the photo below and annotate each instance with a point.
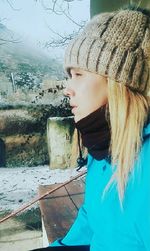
(75, 74)
(78, 74)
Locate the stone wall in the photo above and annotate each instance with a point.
(23, 135)
(26, 150)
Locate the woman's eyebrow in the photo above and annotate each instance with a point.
(78, 69)
(75, 70)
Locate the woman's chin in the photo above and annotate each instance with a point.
(77, 118)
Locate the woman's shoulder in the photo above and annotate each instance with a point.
(145, 150)
(93, 162)
(142, 169)
(146, 131)
(91, 159)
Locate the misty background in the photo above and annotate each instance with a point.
(32, 21)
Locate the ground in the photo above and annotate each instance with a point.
(20, 185)
(17, 187)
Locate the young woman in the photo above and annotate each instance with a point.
(108, 65)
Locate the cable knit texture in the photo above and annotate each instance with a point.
(114, 44)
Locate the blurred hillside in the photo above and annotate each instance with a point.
(23, 67)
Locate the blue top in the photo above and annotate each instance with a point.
(101, 223)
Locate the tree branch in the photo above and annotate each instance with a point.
(59, 9)
(7, 36)
(11, 5)
(62, 40)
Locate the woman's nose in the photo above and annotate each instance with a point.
(68, 91)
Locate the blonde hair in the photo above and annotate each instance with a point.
(128, 111)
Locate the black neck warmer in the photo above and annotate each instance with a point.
(95, 133)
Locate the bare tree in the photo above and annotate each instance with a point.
(11, 4)
(7, 36)
(61, 7)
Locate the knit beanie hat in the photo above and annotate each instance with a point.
(115, 44)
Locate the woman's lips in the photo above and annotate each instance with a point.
(74, 109)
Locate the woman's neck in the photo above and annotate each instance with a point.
(95, 133)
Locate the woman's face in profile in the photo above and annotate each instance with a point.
(87, 92)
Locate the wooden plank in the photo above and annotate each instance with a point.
(57, 212)
(83, 179)
(59, 209)
(76, 192)
(44, 237)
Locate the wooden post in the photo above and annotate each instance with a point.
(13, 82)
(60, 132)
